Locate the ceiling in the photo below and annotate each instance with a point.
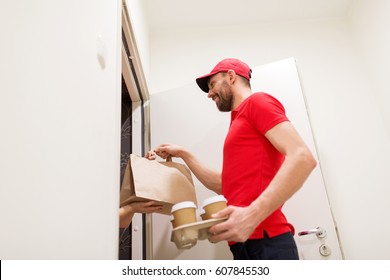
(179, 14)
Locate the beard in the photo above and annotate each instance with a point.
(225, 98)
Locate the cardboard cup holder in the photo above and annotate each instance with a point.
(186, 236)
(186, 229)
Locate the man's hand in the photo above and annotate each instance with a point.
(166, 150)
(151, 155)
(240, 224)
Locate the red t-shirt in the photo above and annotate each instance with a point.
(250, 161)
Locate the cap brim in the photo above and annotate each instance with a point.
(203, 82)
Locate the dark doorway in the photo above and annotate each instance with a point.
(126, 144)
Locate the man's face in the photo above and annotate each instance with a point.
(220, 92)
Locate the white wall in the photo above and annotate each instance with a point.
(351, 136)
(370, 21)
(60, 129)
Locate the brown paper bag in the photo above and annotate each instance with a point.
(166, 183)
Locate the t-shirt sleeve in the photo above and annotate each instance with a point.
(266, 112)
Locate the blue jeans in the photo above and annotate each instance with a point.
(281, 247)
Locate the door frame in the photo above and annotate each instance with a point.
(133, 74)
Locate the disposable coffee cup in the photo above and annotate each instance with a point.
(213, 205)
(173, 222)
(184, 213)
(203, 214)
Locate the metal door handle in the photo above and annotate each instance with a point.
(320, 232)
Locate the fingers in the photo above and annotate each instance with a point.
(162, 151)
(151, 206)
(223, 213)
(151, 155)
(166, 150)
(146, 207)
(152, 209)
(219, 232)
(217, 229)
(227, 232)
(233, 229)
(216, 237)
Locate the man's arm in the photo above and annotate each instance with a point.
(209, 177)
(297, 166)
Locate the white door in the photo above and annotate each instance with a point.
(309, 208)
(186, 116)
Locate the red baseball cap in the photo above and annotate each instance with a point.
(225, 65)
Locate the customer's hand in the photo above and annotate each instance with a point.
(126, 212)
(144, 207)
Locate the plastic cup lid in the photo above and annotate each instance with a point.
(183, 204)
(213, 199)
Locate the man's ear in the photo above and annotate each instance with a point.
(232, 76)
